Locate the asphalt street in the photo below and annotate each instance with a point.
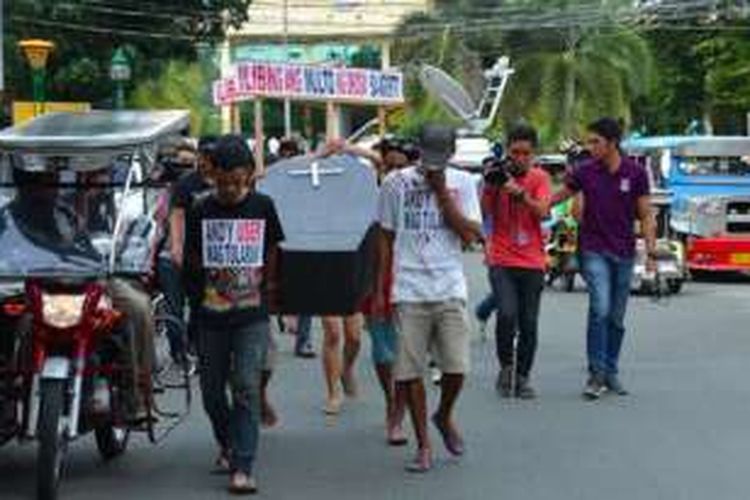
(681, 434)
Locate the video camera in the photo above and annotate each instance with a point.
(499, 169)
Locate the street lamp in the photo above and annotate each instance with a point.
(37, 52)
(119, 72)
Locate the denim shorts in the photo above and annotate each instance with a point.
(384, 339)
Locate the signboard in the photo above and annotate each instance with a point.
(309, 83)
(24, 111)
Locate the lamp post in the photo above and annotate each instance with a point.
(119, 72)
(37, 52)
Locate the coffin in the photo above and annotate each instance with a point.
(328, 210)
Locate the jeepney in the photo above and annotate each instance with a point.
(709, 181)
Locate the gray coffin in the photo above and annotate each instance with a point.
(328, 256)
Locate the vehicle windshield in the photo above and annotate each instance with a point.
(716, 165)
(57, 221)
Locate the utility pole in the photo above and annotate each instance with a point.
(287, 101)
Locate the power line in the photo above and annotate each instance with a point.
(97, 30)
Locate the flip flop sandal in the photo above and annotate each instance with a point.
(420, 464)
(396, 438)
(332, 408)
(453, 443)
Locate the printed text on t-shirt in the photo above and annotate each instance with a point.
(236, 243)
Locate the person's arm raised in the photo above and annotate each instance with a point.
(468, 230)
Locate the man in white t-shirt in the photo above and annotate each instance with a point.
(427, 214)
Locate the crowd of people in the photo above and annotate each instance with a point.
(417, 312)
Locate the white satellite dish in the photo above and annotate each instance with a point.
(442, 87)
(457, 101)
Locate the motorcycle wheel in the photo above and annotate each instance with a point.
(111, 441)
(675, 286)
(52, 438)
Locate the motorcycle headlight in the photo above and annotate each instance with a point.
(62, 311)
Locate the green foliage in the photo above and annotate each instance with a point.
(725, 58)
(564, 78)
(562, 85)
(87, 33)
(180, 86)
(445, 51)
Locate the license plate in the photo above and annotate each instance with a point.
(741, 258)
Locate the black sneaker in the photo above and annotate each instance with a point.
(504, 382)
(613, 384)
(524, 389)
(595, 387)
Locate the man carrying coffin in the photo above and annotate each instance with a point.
(427, 214)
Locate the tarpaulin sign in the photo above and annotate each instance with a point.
(303, 82)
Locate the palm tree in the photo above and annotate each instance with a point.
(585, 73)
(567, 72)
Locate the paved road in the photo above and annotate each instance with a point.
(683, 434)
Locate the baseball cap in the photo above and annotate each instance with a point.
(438, 143)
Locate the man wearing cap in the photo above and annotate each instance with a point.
(427, 214)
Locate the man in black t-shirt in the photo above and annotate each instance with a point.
(231, 250)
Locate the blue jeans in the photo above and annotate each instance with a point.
(171, 286)
(234, 356)
(304, 333)
(486, 307)
(608, 279)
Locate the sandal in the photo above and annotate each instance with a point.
(332, 407)
(451, 439)
(395, 436)
(421, 463)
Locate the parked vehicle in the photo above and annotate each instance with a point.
(709, 181)
(671, 269)
(66, 366)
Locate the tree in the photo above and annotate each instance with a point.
(678, 96)
(181, 85)
(724, 57)
(444, 50)
(575, 76)
(87, 32)
(567, 73)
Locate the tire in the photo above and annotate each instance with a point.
(675, 286)
(111, 441)
(52, 438)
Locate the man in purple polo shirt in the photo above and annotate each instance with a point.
(615, 193)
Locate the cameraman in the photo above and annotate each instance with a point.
(516, 198)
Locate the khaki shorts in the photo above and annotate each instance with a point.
(437, 328)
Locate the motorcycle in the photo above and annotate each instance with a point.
(562, 254)
(68, 350)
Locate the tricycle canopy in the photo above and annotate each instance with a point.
(75, 134)
(76, 192)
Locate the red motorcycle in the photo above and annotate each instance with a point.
(71, 353)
